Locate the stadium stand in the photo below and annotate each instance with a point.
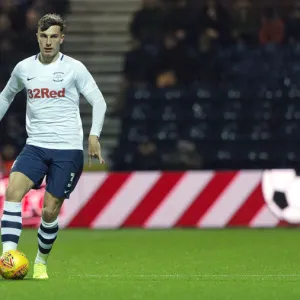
(220, 91)
(204, 86)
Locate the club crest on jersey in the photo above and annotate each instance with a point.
(58, 76)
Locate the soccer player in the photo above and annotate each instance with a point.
(54, 148)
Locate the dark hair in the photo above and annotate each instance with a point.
(51, 20)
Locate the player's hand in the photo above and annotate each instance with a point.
(94, 150)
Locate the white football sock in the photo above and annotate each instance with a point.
(11, 225)
(9, 246)
(47, 235)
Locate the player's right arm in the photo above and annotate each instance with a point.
(13, 86)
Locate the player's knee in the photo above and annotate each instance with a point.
(51, 209)
(18, 186)
(50, 212)
(14, 193)
(49, 215)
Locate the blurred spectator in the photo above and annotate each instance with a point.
(184, 157)
(8, 55)
(15, 10)
(147, 156)
(61, 7)
(54, 6)
(181, 21)
(15, 128)
(146, 23)
(245, 23)
(28, 40)
(139, 66)
(6, 30)
(177, 63)
(1, 168)
(215, 22)
(206, 68)
(293, 24)
(8, 155)
(138, 71)
(41, 6)
(272, 27)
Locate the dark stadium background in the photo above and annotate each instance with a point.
(202, 97)
(189, 84)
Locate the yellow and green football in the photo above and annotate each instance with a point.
(14, 265)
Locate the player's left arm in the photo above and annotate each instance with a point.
(96, 99)
(89, 89)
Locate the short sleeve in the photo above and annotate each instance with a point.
(84, 80)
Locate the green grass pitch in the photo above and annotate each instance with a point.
(161, 264)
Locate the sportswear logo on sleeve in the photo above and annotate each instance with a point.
(30, 78)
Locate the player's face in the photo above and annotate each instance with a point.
(50, 41)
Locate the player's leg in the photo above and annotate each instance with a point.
(11, 221)
(47, 234)
(63, 176)
(27, 173)
(48, 230)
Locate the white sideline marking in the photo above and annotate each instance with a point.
(181, 276)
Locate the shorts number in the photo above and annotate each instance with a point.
(72, 175)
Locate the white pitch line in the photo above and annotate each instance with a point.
(181, 275)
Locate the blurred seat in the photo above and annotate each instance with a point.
(249, 120)
(199, 132)
(167, 131)
(140, 112)
(170, 112)
(201, 110)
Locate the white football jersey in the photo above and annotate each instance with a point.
(53, 91)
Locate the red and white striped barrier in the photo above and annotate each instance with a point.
(160, 200)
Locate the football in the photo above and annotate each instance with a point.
(14, 265)
(281, 191)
